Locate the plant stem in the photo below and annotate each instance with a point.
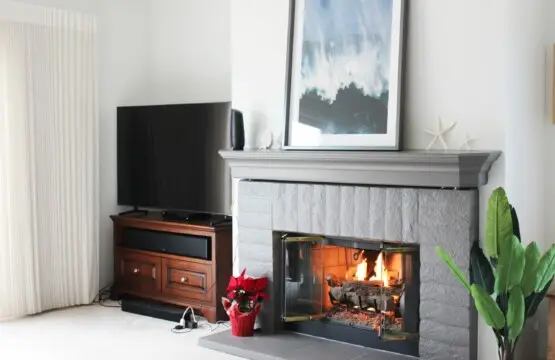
(506, 352)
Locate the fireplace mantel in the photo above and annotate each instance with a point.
(437, 169)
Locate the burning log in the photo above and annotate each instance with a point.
(366, 294)
(372, 287)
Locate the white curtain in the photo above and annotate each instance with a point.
(48, 162)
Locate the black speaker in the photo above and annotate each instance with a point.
(237, 130)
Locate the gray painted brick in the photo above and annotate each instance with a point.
(347, 211)
(454, 236)
(453, 335)
(453, 295)
(458, 250)
(362, 212)
(426, 216)
(445, 314)
(285, 216)
(333, 204)
(304, 208)
(435, 350)
(440, 275)
(254, 220)
(254, 204)
(254, 236)
(318, 209)
(410, 215)
(256, 252)
(393, 215)
(452, 207)
(377, 213)
(256, 268)
(256, 188)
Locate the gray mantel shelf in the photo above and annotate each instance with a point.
(438, 169)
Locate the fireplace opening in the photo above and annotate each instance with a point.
(360, 292)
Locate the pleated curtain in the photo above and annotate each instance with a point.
(48, 162)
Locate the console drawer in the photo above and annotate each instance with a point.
(138, 272)
(188, 279)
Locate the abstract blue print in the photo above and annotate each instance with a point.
(345, 66)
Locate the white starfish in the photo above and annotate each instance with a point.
(467, 141)
(438, 135)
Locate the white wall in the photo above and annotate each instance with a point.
(189, 55)
(474, 62)
(123, 72)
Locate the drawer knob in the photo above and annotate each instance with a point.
(135, 270)
(184, 279)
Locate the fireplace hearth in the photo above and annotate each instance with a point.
(361, 292)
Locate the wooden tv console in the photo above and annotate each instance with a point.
(158, 274)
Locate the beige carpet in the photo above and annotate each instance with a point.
(97, 333)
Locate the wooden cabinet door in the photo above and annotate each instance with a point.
(138, 273)
(187, 279)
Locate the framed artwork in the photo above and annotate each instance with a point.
(344, 74)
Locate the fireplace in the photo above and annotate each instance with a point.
(308, 220)
(406, 222)
(352, 290)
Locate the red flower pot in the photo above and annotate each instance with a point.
(242, 324)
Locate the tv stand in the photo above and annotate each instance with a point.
(134, 211)
(181, 263)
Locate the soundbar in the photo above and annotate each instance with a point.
(151, 308)
(198, 247)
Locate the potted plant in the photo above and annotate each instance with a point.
(243, 302)
(509, 281)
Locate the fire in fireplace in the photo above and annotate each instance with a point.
(356, 291)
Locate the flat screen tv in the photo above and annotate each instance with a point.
(168, 157)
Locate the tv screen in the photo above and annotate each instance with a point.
(168, 157)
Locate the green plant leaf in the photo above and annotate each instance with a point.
(532, 257)
(510, 266)
(545, 269)
(486, 306)
(454, 269)
(533, 301)
(480, 269)
(499, 224)
(515, 313)
(516, 224)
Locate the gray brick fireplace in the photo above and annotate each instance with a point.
(421, 198)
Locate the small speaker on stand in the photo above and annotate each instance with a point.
(237, 130)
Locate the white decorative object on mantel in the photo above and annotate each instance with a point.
(467, 141)
(266, 140)
(439, 134)
(277, 142)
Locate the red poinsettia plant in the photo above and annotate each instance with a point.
(246, 292)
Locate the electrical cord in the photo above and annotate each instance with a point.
(183, 328)
(218, 324)
(187, 324)
(182, 331)
(103, 296)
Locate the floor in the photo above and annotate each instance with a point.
(96, 332)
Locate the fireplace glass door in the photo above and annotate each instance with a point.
(370, 288)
